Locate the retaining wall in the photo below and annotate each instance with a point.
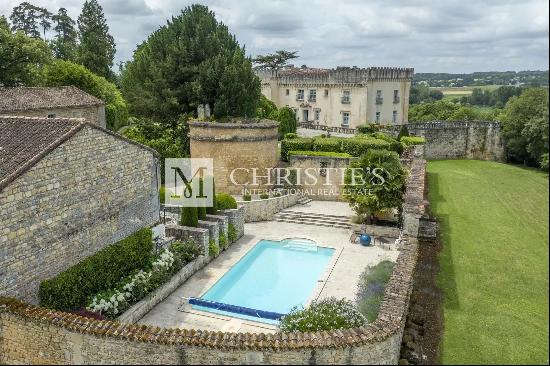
(261, 210)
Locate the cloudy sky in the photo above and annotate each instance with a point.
(431, 36)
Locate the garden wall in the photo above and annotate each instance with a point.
(459, 139)
(264, 209)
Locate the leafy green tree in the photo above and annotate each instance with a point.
(97, 47)
(287, 121)
(266, 108)
(525, 126)
(65, 43)
(375, 182)
(191, 60)
(275, 61)
(21, 57)
(443, 110)
(60, 73)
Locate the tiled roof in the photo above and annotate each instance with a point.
(24, 141)
(24, 98)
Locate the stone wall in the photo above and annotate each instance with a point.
(328, 187)
(414, 205)
(261, 210)
(246, 145)
(459, 139)
(91, 191)
(94, 114)
(235, 217)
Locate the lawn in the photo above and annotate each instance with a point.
(494, 263)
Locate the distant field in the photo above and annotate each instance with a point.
(494, 263)
(464, 91)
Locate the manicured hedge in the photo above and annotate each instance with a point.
(360, 146)
(295, 144)
(71, 289)
(413, 140)
(395, 145)
(320, 153)
(328, 144)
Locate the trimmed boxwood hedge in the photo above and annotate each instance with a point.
(70, 290)
(226, 201)
(360, 146)
(295, 144)
(320, 153)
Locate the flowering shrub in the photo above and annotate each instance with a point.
(372, 285)
(325, 314)
(135, 287)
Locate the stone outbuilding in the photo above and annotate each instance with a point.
(68, 188)
(52, 102)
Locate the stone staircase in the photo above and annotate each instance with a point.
(307, 218)
(304, 200)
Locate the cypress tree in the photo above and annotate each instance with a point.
(189, 217)
(97, 47)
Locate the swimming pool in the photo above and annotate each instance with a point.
(273, 276)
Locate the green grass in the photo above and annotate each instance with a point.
(494, 263)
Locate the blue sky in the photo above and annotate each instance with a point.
(431, 36)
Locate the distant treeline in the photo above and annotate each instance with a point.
(527, 78)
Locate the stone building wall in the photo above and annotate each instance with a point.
(246, 145)
(327, 188)
(94, 114)
(91, 191)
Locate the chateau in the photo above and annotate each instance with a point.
(342, 97)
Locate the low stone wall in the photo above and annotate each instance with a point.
(138, 310)
(213, 229)
(235, 217)
(222, 221)
(200, 236)
(414, 205)
(261, 210)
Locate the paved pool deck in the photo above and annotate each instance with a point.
(340, 278)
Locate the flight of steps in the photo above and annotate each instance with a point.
(304, 200)
(307, 218)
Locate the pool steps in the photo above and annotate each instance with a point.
(306, 218)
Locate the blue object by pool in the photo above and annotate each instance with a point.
(272, 277)
(240, 310)
(365, 240)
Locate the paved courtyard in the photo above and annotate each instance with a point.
(339, 280)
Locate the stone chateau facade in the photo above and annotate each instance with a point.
(68, 188)
(52, 102)
(343, 97)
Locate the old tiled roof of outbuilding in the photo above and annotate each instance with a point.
(24, 141)
(28, 98)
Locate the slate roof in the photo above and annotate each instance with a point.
(29, 98)
(24, 141)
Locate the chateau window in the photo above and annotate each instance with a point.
(300, 94)
(396, 96)
(394, 117)
(326, 92)
(312, 95)
(317, 115)
(379, 99)
(377, 117)
(51, 115)
(346, 97)
(345, 119)
(288, 92)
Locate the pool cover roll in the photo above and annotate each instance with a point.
(236, 309)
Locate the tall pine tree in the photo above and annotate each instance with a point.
(25, 18)
(97, 47)
(65, 42)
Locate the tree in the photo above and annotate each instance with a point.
(25, 17)
(266, 108)
(287, 121)
(60, 73)
(375, 182)
(275, 61)
(191, 60)
(97, 47)
(45, 18)
(21, 57)
(65, 43)
(189, 217)
(525, 126)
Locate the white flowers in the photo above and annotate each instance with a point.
(114, 302)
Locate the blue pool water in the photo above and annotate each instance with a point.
(272, 276)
